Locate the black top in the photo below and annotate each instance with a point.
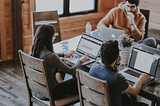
(116, 82)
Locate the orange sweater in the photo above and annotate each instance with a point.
(117, 17)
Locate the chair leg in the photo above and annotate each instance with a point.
(30, 103)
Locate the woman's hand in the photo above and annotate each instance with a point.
(69, 54)
(84, 58)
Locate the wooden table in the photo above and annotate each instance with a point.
(151, 93)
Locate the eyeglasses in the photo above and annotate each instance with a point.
(131, 6)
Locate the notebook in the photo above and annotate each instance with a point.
(87, 45)
(140, 62)
(111, 34)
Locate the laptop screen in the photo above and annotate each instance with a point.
(89, 45)
(111, 33)
(144, 61)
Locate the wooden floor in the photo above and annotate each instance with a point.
(12, 85)
(13, 90)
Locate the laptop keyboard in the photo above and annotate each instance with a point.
(133, 73)
(77, 56)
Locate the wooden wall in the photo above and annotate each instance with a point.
(154, 7)
(107, 5)
(70, 26)
(6, 33)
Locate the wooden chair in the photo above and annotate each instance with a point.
(146, 13)
(37, 79)
(92, 91)
(46, 17)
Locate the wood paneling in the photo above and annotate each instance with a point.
(6, 30)
(154, 26)
(151, 6)
(70, 26)
(155, 18)
(75, 25)
(154, 7)
(17, 27)
(3, 31)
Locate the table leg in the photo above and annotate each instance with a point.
(158, 103)
(153, 103)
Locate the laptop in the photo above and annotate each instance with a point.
(150, 49)
(111, 34)
(140, 62)
(87, 45)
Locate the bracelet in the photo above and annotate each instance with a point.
(133, 24)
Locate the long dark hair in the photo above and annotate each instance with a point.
(42, 38)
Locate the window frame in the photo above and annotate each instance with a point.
(66, 9)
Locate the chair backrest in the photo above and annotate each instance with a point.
(92, 91)
(46, 17)
(36, 77)
(146, 13)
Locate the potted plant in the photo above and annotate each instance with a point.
(125, 41)
(124, 45)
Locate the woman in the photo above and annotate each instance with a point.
(42, 48)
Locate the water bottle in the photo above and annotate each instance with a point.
(88, 28)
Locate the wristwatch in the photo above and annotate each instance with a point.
(117, 64)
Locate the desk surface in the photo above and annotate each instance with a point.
(152, 93)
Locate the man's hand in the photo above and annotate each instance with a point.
(69, 54)
(119, 59)
(144, 77)
(130, 16)
(84, 58)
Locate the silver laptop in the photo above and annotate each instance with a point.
(111, 34)
(141, 62)
(87, 45)
(150, 49)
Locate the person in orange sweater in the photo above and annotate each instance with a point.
(128, 17)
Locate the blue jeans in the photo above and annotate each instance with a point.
(149, 42)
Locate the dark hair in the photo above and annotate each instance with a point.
(42, 38)
(109, 52)
(136, 2)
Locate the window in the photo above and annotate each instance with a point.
(48, 5)
(67, 7)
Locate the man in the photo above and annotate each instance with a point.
(117, 84)
(128, 17)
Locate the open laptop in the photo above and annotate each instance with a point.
(87, 45)
(150, 49)
(141, 62)
(111, 34)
